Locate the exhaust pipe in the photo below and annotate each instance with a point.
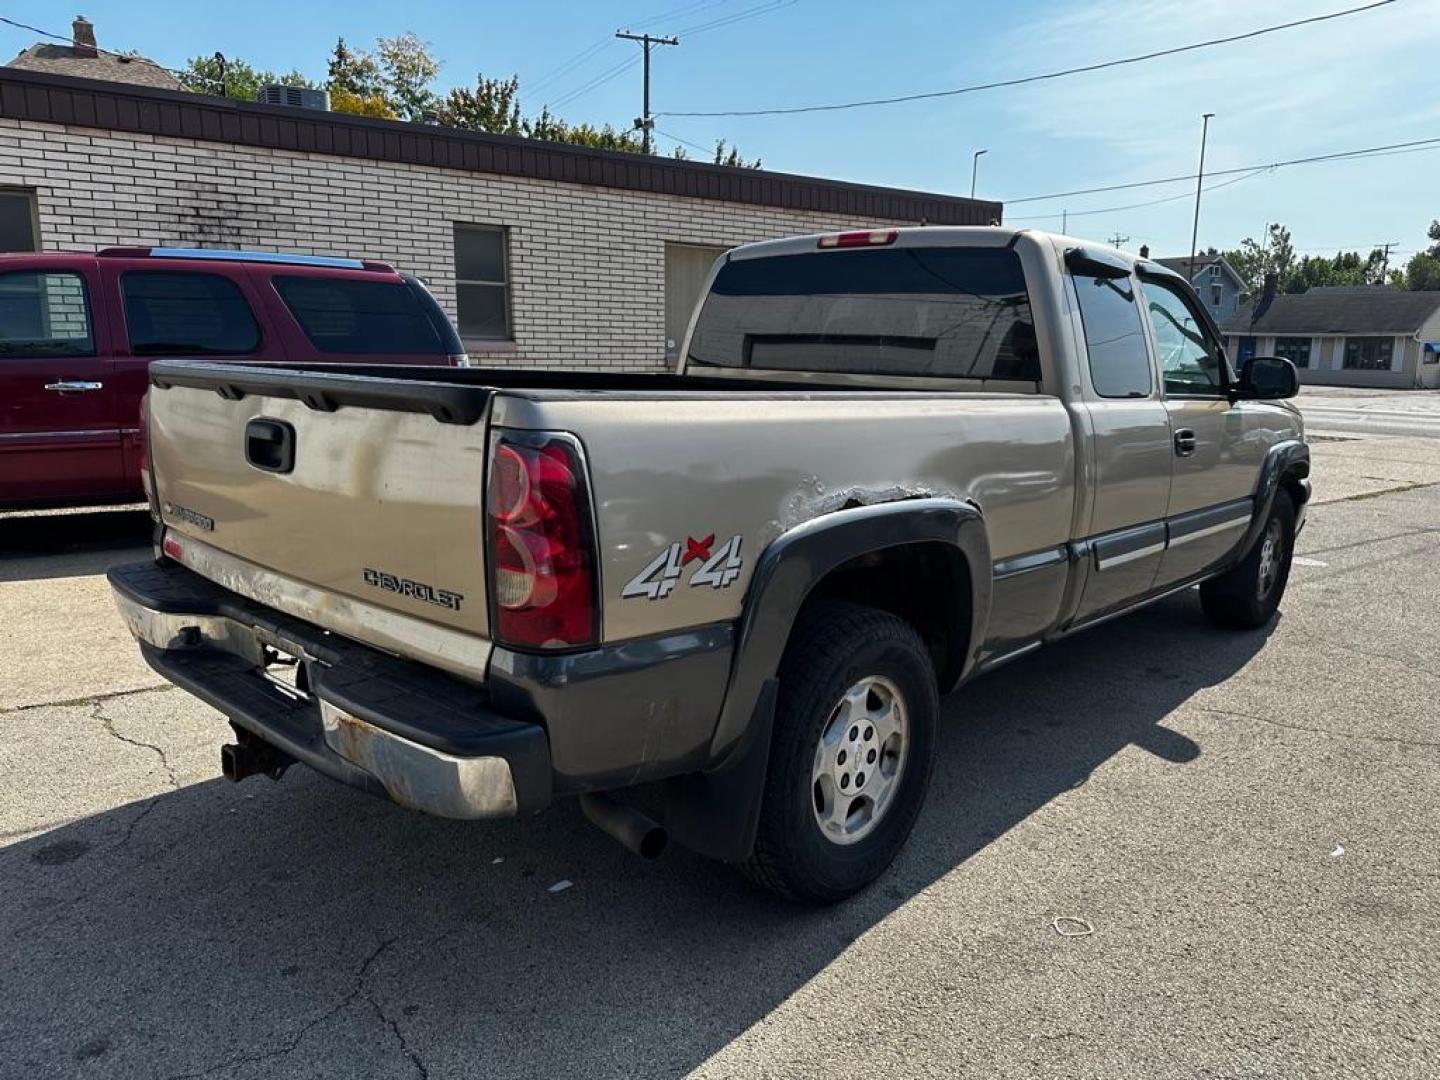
(642, 835)
(251, 756)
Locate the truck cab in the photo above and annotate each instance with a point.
(78, 332)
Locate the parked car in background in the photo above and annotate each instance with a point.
(78, 332)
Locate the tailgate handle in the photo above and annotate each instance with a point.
(270, 445)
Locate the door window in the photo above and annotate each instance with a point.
(1114, 339)
(175, 314)
(1190, 360)
(44, 314)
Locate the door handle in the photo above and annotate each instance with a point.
(270, 445)
(73, 386)
(1184, 442)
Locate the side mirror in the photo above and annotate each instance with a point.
(1269, 378)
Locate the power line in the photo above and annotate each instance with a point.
(686, 142)
(599, 80)
(1372, 151)
(1140, 205)
(739, 16)
(1023, 80)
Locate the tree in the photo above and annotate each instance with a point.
(732, 157)
(493, 106)
(1422, 272)
(1346, 268)
(1253, 259)
(408, 69)
(356, 83)
(234, 78)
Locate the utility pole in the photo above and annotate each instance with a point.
(1199, 180)
(975, 168)
(1385, 262)
(1117, 239)
(1064, 217)
(645, 122)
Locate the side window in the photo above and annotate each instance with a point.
(1114, 338)
(482, 282)
(44, 314)
(175, 314)
(1189, 358)
(342, 315)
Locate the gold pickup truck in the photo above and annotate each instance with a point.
(891, 460)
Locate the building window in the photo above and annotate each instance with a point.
(44, 315)
(17, 221)
(1432, 352)
(1213, 270)
(1369, 353)
(179, 314)
(482, 293)
(1294, 349)
(1216, 294)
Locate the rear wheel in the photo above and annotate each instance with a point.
(853, 749)
(1246, 596)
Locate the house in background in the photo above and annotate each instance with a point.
(1351, 335)
(1219, 286)
(83, 59)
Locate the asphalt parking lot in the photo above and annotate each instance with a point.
(1156, 850)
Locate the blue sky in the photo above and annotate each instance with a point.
(1364, 80)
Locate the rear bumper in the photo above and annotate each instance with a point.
(368, 719)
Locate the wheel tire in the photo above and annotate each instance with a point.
(1246, 596)
(834, 648)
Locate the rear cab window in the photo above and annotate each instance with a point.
(347, 315)
(932, 312)
(180, 313)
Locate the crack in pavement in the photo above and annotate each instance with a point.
(1272, 722)
(294, 1042)
(405, 1048)
(97, 713)
(88, 699)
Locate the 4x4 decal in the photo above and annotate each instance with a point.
(662, 573)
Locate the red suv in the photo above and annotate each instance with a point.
(78, 331)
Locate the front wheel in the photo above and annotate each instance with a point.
(1246, 596)
(853, 749)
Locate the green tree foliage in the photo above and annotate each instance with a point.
(1346, 268)
(234, 78)
(408, 69)
(395, 82)
(1422, 272)
(1253, 259)
(493, 105)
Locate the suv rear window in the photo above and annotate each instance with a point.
(343, 315)
(174, 314)
(936, 312)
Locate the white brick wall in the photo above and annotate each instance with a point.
(587, 264)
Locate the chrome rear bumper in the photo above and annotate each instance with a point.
(427, 741)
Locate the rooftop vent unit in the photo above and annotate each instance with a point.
(297, 97)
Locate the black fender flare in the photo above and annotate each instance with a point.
(717, 812)
(1286, 459)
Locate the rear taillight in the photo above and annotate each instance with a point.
(542, 550)
(863, 238)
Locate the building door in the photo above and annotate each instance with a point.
(58, 434)
(687, 266)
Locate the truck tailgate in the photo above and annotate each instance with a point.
(375, 531)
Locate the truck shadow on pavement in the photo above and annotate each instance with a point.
(261, 929)
(37, 546)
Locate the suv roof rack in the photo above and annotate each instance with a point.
(334, 262)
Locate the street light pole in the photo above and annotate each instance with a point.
(1199, 181)
(975, 168)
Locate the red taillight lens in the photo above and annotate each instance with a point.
(863, 238)
(542, 555)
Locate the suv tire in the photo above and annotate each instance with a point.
(1246, 596)
(852, 753)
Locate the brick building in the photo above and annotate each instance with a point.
(544, 253)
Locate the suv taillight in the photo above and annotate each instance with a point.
(542, 549)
